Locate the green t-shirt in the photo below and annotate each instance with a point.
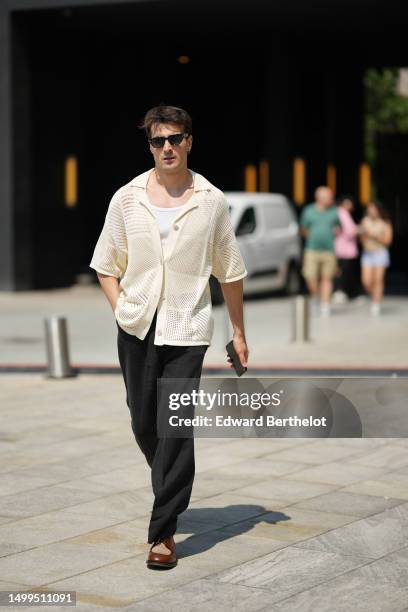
(320, 224)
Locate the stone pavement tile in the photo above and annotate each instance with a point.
(219, 549)
(208, 442)
(114, 425)
(261, 526)
(50, 527)
(282, 488)
(378, 488)
(55, 562)
(43, 499)
(81, 606)
(13, 586)
(390, 456)
(327, 443)
(75, 447)
(205, 595)
(227, 508)
(137, 529)
(237, 451)
(314, 453)
(260, 468)
(364, 444)
(204, 442)
(398, 512)
(211, 482)
(122, 479)
(370, 537)
(391, 569)
(399, 515)
(401, 442)
(22, 462)
(130, 580)
(122, 506)
(400, 476)
(291, 524)
(262, 446)
(10, 548)
(12, 482)
(130, 537)
(336, 472)
(187, 527)
(291, 570)
(348, 503)
(61, 432)
(21, 419)
(112, 421)
(381, 586)
(214, 457)
(90, 465)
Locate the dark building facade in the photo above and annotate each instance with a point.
(263, 81)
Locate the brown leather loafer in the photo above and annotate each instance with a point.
(161, 560)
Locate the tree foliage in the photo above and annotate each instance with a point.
(386, 109)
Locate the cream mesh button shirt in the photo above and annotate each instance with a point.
(172, 279)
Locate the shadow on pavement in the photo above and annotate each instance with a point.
(224, 517)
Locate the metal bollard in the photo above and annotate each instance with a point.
(56, 339)
(300, 319)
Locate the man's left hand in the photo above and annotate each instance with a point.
(241, 348)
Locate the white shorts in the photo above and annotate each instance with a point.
(376, 259)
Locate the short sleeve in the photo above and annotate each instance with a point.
(110, 253)
(227, 262)
(304, 217)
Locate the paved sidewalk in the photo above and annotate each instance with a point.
(274, 524)
(349, 338)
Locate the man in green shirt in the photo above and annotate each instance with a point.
(318, 223)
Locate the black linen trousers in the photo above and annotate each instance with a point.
(171, 460)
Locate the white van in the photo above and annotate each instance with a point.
(267, 231)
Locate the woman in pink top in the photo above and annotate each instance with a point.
(346, 249)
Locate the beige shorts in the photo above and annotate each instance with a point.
(318, 264)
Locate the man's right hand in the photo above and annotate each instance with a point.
(111, 288)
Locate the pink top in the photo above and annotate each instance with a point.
(345, 242)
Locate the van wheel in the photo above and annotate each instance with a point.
(293, 281)
(216, 291)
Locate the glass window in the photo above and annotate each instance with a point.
(247, 223)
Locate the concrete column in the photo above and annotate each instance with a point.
(15, 176)
(277, 136)
(349, 125)
(22, 156)
(6, 210)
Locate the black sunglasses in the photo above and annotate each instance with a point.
(174, 139)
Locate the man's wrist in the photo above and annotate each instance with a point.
(239, 334)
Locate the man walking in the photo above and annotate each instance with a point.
(317, 224)
(164, 233)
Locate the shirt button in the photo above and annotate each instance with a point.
(159, 332)
(176, 227)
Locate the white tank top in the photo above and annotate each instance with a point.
(165, 218)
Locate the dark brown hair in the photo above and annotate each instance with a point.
(166, 114)
(382, 211)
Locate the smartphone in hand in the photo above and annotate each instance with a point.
(232, 353)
